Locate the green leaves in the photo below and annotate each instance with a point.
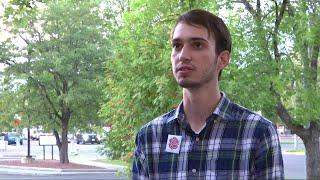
(63, 69)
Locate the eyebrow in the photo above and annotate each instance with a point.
(191, 39)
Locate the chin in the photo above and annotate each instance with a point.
(188, 84)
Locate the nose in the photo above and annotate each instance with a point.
(185, 54)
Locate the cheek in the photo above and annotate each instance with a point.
(173, 60)
(173, 66)
(208, 63)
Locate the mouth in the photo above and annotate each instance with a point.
(185, 69)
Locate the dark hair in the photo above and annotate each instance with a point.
(215, 26)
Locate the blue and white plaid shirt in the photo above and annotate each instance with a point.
(234, 144)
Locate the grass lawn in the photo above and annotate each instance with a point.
(296, 151)
(114, 162)
(289, 142)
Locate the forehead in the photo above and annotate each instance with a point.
(185, 31)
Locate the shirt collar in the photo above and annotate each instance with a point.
(178, 113)
(221, 110)
(223, 107)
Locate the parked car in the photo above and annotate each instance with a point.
(83, 138)
(2, 136)
(13, 137)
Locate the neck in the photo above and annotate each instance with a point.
(198, 104)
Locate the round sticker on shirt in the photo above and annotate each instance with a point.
(173, 143)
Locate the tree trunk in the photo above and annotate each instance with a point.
(62, 142)
(63, 150)
(312, 156)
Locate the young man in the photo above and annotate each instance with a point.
(207, 136)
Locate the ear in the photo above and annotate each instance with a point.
(223, 59)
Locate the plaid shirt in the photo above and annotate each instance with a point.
(234, 144)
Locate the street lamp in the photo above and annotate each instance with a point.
(28, 158)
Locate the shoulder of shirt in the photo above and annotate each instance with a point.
(160, 120)
(237, 112)
(232, 112)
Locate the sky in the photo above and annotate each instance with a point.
(3, 34)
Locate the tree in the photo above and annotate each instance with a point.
(62, 66)
(276, 58)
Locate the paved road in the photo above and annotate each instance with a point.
(91, 176)
(294, 166)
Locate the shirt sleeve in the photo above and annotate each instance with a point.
(139, 167)
(268, 160)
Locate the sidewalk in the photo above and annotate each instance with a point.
(10, 164)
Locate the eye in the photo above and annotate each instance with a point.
(176, 45)
(197, 45)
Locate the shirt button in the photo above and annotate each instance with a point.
(197, 139)
(194, 170)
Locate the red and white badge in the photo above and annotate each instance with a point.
(173, 144)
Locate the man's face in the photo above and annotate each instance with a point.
(193, 57)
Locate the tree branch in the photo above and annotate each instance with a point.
(314, 22)
(24, 39)
(45, 94)
(285, 116)
(56, 76)
(279, 17)
(314, 128)
(51, 115)
(258, 8)
(8, 61)
(314, 63)
(56, 134)
(249, 7)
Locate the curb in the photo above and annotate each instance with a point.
(57, 169)
(48, 171)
